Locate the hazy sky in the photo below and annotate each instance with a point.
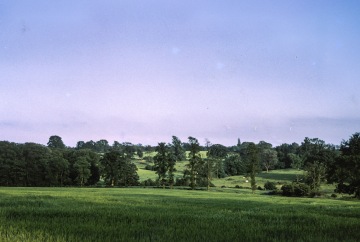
(142, 71)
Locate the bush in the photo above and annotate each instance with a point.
(270, 186)
(148, 182)
(287, 190)
(295, 189)
(182, 182)
(300, 189)
(260, 188)
(149, 167)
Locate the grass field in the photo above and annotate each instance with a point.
(138, 214)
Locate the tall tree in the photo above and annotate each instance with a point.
(111, 167)
(318, 157)
(315, 174)
(218, 153)
(36, 164)
(164, 164)
(56, 142)
(102, 146)
(118, 169)
(178, 148)
(348, 166)
(269, 158)
(59, 168)
(80, 145)
(283, 150)
(296, 161)
(252, 163)
(12, 165)
(161, 164)
(194, 160)
(82, 166)
(73, 156)
(209, 163)
(233, 165)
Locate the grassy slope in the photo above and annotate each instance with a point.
(277, 176)
(75, 214)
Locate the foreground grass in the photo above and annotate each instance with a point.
(137, 214)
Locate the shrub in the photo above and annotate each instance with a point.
(295, 189)
(182, 182)
(149, 167)
(270, 186)
(287, 190)
(300, 189)
(148, 182)
(260, 188)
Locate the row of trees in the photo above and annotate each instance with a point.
(33, 164)
(89, 162)
(321, 162)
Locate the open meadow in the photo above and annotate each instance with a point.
(149, 214)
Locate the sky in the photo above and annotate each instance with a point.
(143, 71)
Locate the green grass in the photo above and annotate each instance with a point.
(137, 214)
(278, 176)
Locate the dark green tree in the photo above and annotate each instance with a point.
(12, 165)
(315, 175)
(161, 163)
(296, 161)
(102, 146)
(164, 164)
(111, 167)
(269, 158)
(80, 145)
(347, 172)
(252, 159)
(36, 159)
(195, 161)
(75, 156)
(218, 153)
(94, 160)
(118, 169)
(178, 148)
(56, 142)
(82, 167)
(233, 165)
(58, 167)
(318, 158)
(283, 151)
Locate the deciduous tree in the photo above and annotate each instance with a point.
(195, 160)
(252, 163)
(348, 166)
(56, 142)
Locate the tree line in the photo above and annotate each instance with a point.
(91, 162)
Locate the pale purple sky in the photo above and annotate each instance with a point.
(142, 71)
